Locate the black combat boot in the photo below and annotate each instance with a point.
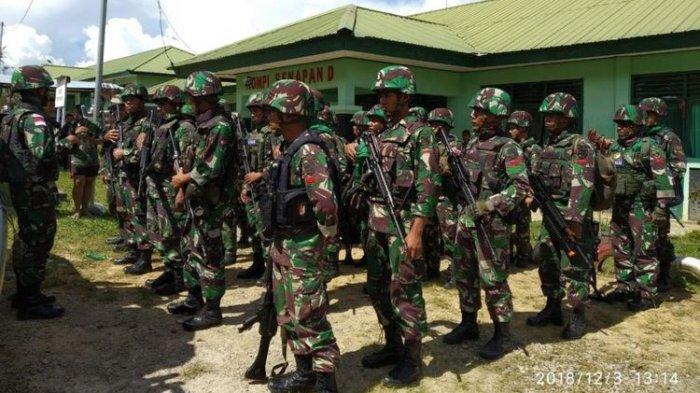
(142, 264)
(165, 277)
(640, 303)
(325, 383)
(17, 301)
(208, 316)
(130, 257)
(175, 285)
(301, 380)
(32, 304)
(257, 269)
(390, 353)
(550, 314)
(190, 305)
(619, 294)
(493, 349)
(576, 327)
(409, 369)
(468, 329)
(114, 240)
(664, 281)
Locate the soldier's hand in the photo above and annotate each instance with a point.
(252, 177)
(276, 152)
(180, 179)
(575, 230)
(82, 131)
(73, 140)
(351, 150)
(528, 201)
(245, 197)
(111, 135)
(118, 154)
(414, 240)
(180, 200)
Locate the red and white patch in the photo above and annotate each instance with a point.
(38, 120)
(310, 179)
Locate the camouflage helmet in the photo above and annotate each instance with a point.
(187, 110)
(255, 100)
(360, 118)
(171, 93)
(441, 115)
(563, 103)
(134, 90)
(377, 111)
(203, 83)
(396, 77)
(30, 78)
(419, 112)
(629, 113)
(492, 100)
(654, 104)
(291, 97)
(520, 119)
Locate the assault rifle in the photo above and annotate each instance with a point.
(375, 166)
(111, 165)
(459, 174)
(556, 226)
(188, 207)
(242, 134)
(145, 159)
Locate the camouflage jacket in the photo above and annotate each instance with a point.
(309, 167)
(334, 140)
(162, 166)
(497, 171)
(213, 156)
(642, 173)
(672, 147)
(530, 149)
(449, 189)
(30, 145)
(133, 126)
(567, 165)
(184, 136)
(409, 160)
(260, 142)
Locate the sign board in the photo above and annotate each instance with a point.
(61, 83)
(310, 74)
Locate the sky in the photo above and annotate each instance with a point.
(66, 32)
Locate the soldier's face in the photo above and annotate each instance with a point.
(257, 115)
(517, 133)
(478, 118)
(391, 101)
(626, 129)
(166, 107)
(376, 125)
(652, 119)
(358, 130)
(133, 104)
(555, 123)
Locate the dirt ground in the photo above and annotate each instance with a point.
(117, 337)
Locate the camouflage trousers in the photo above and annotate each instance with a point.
(520, 239)
(632, 230)
(448, 214)
(164, 225)
(35, 206)
(664, 248)
(432, 246)
(134, 229)
(394, 285)
(205, 251)
(301, 300)
(560, 275)
(477, 267)
(229, 234)
(254, 220)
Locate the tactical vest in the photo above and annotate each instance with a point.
(20, 165)
(450, 189)
(480, 162)
(554, 164)
(161, 166)
(221, 189)
(397, 164)
(287, 209)
(633, 171)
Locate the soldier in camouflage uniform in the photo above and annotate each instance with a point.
(643, 185)
(163, 222)
(136, 126)
(656, 109)
(567, 165)
(302, 219)
(260, 141)
(419, 112)
(395, 266)
(207, 186)
(30, 166)
(498, 178)
(519, 124)
(448, 205)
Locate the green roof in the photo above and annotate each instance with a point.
(57, 70)
(498, 26)
(356, 21)
(180, 82)
(154, 61)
